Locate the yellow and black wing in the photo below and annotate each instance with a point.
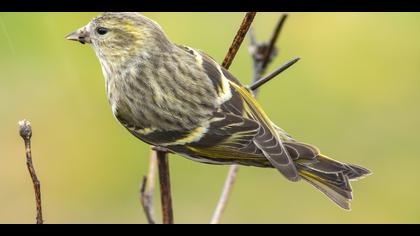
(240, 144)
(238, 132)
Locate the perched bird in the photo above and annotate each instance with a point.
(179, 98)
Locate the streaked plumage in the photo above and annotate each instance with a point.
(179, 98)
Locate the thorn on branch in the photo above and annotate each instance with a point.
(273, 74)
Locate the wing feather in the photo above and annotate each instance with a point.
(239, 131)
(268, 139)
(242, 103)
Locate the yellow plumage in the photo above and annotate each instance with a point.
(181, 99)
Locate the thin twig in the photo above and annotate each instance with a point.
(165, 187)
(262, 54)
(239, 38)
(233, 170)
(147, 190)
(254, 51)
(227, 190)
(25, 131)
(273, 41)
(273, 74)
(257, 51)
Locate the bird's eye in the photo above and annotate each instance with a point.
(102, 30)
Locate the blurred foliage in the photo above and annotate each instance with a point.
(355, 94)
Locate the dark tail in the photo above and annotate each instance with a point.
(332, 178)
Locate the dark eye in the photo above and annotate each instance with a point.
(102, 30)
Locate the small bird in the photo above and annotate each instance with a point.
(180, 99)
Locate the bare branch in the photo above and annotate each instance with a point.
(231, 177)
(227, 190)
(262, 55)
(165, 187)
(239, 38)
(147, 189)
(256, 54)
(25, 131)
(272, 75)
(273, 41)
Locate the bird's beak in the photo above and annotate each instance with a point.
(81, 35)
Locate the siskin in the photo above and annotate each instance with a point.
(179, 98)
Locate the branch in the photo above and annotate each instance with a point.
(239, 38)
(262, 54)
(147, 189)
(227, 190)
(165, 187)
(271, 47)
(254, 87)
(230, 180)
(25, 131)
(158, 159)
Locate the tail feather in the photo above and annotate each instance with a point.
(340, 196)
(327, 175)
(353, 172)
(359, 172)
(336, 179)
(332, 178)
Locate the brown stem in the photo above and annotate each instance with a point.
(233, 171)
(147, 190)
(26, 133)
(239, 38)
(262, 54)
(165, 187)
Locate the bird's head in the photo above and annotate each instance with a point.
(117, 37)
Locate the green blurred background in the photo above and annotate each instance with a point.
(354, 94)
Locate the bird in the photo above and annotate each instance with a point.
(179, 98)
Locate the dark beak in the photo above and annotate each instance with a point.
(81, 35)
